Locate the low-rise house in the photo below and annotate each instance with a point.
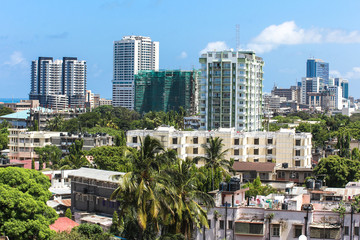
(91, 190)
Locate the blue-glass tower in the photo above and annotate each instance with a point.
(317, 68)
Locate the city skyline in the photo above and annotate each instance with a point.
(285, 41)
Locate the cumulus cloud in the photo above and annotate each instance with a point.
(16, 58)
(183, 55)
(354, 73)
(288, 33)
(218, 46)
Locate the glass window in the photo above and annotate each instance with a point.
(236, 152)
(174, 141)
(222, 224)
(298, 142)
(297, 231)
(270, 141)
(195, 150)
(256, 151)
(256, 141)
(230, 224)
(276, 230)
(134, 140)
(196, 140)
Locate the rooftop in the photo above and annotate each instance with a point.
(63, 224)
(251, 166)
(96, 174)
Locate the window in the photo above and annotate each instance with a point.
(236, 141)
(209, 223)
(256, 160)
(297, 153)
(207, 140)
(276, 230)
(236, 152)
(222, 224)
(270, 141)
(281, 174)
(269, 151)
(174, 141)
(256, 151)
(134, 140)
(36, 140)
(297, 163)
(321, 233)
(230, 224)
(297, 231)
(269, 160)
(356, 231)
(256, 141)
(297, 142)
(196, 140)
(346, 231)
(195, 150)
(249, 228)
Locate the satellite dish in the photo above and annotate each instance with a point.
(302, 237)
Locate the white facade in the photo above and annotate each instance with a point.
(337, 92)
(230, 90)
(314, 85)
(131, 54)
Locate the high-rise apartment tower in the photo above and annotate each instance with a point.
(230, 90)
(131, 54)
(58, 83)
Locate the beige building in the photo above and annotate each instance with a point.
(22, 143)
(286, 147)
(23, 105)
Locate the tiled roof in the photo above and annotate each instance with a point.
(63, 224)
(253, 166)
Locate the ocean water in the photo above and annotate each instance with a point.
(11, 100)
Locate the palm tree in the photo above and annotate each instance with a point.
(141, 194)
(215, 157)
(188, 213)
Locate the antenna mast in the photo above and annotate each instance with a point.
(237, 37)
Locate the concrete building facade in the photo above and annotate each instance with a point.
(131, 54)
(285, 146)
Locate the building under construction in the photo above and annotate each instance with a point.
(166, 90)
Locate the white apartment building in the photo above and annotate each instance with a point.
(310, 85)
(131, 54)
(22, 143)
(284, 146)
(336, 92)
(58, 83)
(230, 90)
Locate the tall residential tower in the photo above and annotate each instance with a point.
(131, 54)
(58, 83)
(230, 90)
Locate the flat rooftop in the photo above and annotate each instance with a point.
(96, 174)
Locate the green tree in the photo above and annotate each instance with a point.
(5, 111)
(256, 188)
(68, 213)
(24, 213)
(338, 171)
(141, 194)
(111, 158)
(115, 228)
(50, 154)
(188, 214)
(76, 157)
(355, 154)
(4, 139)
(55, 124)
(215, 157)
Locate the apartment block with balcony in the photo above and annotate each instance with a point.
(282, 147)
(22, 143)
(230, 90)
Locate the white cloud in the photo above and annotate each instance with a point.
(183, 55)
(16, 58)
(353, 74)
(218, 46)
(288, 33)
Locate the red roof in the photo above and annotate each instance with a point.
(63, 224)
(27, 163)
(254, 166)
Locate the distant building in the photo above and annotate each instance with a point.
(311, 85)
(93, 100)
(289, 93)
(317, 68)
(58, 84)
(23, 105)
(131, 54)
(22, 143)
(230, 90)
(344, 84)
(65, 140)
(284, 146)
(166, 90)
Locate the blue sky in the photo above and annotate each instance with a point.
(284, 33)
